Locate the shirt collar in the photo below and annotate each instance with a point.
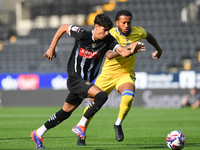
(92, 36)
(117, 30)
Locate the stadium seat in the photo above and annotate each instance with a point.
(160, 18)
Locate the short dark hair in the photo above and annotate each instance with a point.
(103, 20)
(122, 13)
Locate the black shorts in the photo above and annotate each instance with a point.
(78, 88)
(189, 103)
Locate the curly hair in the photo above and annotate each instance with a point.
(124, 13)
(103, 20)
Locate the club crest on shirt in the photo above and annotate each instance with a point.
(87, 83)
(93, 45)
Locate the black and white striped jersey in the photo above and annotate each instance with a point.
(87, 54)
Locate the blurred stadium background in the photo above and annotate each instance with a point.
(28, 26)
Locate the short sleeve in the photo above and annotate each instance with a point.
(76, 32)
(143, 33)
(113, 43)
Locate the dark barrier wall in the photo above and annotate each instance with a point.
(150, 98)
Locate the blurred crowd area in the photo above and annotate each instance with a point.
(27, 28)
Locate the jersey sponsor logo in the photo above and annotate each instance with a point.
(89, 54)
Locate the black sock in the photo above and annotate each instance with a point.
(56, 119)
(98, 102)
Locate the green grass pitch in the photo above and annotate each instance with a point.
(144, 129)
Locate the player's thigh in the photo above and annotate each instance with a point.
(79, 86)
(105, 82)
(127, 81)
(72, 99)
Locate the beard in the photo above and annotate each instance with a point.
(126, 33)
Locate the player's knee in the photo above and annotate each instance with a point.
(94, 106)
(128, 93)
(101, 98)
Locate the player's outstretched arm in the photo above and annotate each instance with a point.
(51, 53)
(110, 54)
(128, 50)
(151, 39)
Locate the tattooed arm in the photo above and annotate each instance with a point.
(110, 54)
(126, 50)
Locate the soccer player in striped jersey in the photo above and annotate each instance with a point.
(83, 66)
(118, 72)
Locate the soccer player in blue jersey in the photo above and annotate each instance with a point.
(83, 66)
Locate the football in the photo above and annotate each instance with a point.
(176, 140)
